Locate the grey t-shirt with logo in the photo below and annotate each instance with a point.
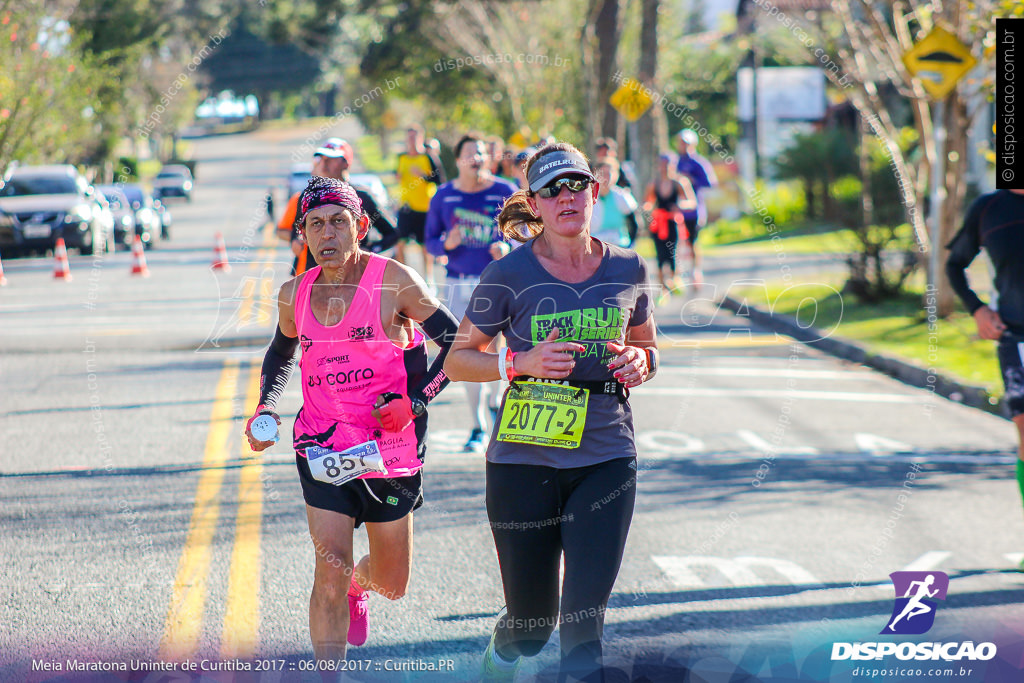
(518, 297)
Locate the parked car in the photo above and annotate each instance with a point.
(124, 216)
(173, 180)
(7, 234)
(49, 202)
(299, 177)
(148, 225)
(165, 218)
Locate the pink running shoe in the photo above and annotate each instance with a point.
(358, 618)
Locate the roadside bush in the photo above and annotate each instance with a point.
(885, 257)
(783, 202)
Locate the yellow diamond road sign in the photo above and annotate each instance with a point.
(631, 99)
(939, 60)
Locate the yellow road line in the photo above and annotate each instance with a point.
(733, 340)
(183, 627)
(242, 617)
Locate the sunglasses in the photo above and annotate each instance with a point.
(553, 189)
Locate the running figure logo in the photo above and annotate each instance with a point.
(916, 593)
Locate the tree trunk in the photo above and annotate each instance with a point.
(956, 189)
(864, 157)
(608, 33)
(648, 144)
(590, 77)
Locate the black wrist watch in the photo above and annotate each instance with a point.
(417, 405)
(652, 361)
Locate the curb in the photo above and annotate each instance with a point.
(975, 397)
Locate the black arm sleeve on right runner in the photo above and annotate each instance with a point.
(962, 250)
(277, 368)
(442, 328)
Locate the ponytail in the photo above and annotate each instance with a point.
(517, 221)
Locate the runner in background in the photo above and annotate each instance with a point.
(495, 147)
(614, 219)
(419, 175)
(462, 226)
(270, 205)
(607, 148)
(333, 160)
(519, 167)
(666, 199)
(701, 175)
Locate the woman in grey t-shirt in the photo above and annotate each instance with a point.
(561, 464)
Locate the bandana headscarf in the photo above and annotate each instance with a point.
(323, 191)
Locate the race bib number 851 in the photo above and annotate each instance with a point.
(544, 414)
(338, 467)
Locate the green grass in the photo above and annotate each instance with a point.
(804, 238)
(368, 154)
(898, 328)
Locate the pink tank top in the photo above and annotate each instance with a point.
(345, 367)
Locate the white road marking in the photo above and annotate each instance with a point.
(927, 562)
(880, 445)
(732, 394)
(654, 442)
(755, 441)
(738, 571)
(704, 371)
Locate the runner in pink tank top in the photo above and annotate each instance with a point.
(360, 434)
(346, 366)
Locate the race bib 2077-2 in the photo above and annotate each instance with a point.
(338, 467)
(544, 414)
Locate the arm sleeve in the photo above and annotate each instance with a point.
(434, 230)
(962, 250)
(442, 328)
(278, 364)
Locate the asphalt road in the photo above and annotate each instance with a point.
(778, 488)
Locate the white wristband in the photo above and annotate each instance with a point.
(502, 367)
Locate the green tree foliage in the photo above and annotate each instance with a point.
(49, 86)
(817, 159)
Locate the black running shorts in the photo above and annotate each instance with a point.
(365, 500)
(412, 225)
(1011, 364)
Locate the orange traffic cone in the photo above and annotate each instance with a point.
(139, 258)
(3, 279)
(60, 252)
(220, 255)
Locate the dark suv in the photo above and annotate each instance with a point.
(48, 202)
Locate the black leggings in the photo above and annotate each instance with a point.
(536, 514)
(665, 249)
